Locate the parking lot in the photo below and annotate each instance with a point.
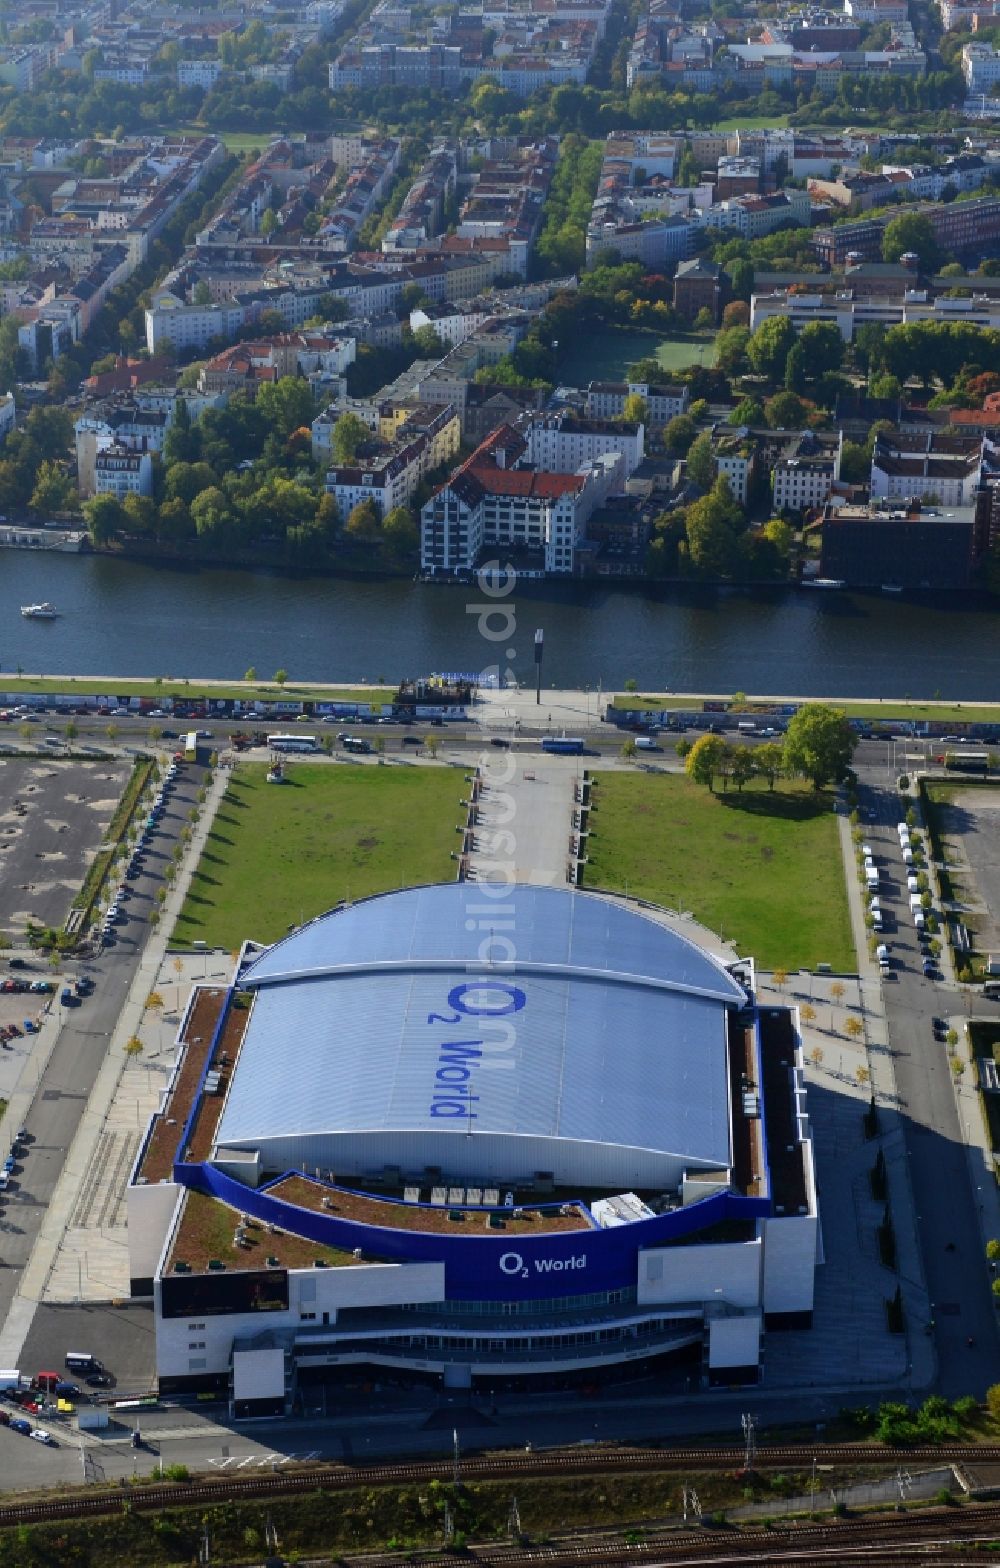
(970, 823)
(53, 816)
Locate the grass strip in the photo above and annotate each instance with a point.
(102, 862)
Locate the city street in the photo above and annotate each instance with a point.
(949, 1209)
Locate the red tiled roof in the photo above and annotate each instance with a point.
(523, 481)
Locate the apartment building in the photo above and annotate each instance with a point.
(938, 468)
(563, 442)
(387, 473)
(497, 498)
(120, 471)
(804, 476)
(606, 400)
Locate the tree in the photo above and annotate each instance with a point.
(400, 534)
(134, 1047)
(886, 387)
(679, 434)
(53, 491)
(705, 760)
(701, 466)
(346, 436)
(736, 314)
(854, 1027)
(993, 1392)
(795, 369)
(769, 759)
(731, 348)
(808, 1015)
(768, 347)
(280, 677)
(250, 675)
(748, 411)
(286, 405)
(363, 522)
(105, 518)
(711, 525)
(819, 743)
(993, 1249)
(154, 1001)
(211, 514)
(912, 231)
(636, 410)
(780, 977)
(837, 990)
(785, 411)
(742, 767)
(628, 748)
(822, 346)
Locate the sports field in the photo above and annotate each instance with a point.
(280, 854)
(762, 868)
(606, 356)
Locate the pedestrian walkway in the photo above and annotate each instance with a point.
(524, 821)
(80, 1253)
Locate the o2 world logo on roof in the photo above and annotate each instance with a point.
(452, 1097)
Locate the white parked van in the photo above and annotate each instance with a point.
(908, 857)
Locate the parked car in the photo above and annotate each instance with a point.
(41, 1436)
(170, 734)
(18, 1424)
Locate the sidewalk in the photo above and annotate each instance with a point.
(100, 1121)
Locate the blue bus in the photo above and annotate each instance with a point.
(563, 745)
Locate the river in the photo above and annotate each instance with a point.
(130, 618)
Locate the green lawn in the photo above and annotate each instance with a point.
(678, 353)
(279, 854)
(235, 141)
(891, 708)
(193, 690)
(606, 355)
(751, 122)
(762, 868)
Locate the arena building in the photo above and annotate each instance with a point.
(377, 1150)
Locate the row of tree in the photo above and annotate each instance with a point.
(818, 745)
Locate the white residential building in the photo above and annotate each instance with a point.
(198, 73)
(927, 468)
(980, 67)
(492, 500)
(170, 320)
(606, 400)
(804, 479)
(561, 443)
(119, 471)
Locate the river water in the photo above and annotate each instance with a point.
(129, 618)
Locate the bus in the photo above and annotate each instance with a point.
(293, 742)
(191, 746)
(356, 743)
(563, 745)
(967, 761)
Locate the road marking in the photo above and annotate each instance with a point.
(241, 1464)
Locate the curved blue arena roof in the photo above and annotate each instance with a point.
(378, 1036)
(449, 923)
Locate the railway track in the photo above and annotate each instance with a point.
(495, 1467)
(886, 1542)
